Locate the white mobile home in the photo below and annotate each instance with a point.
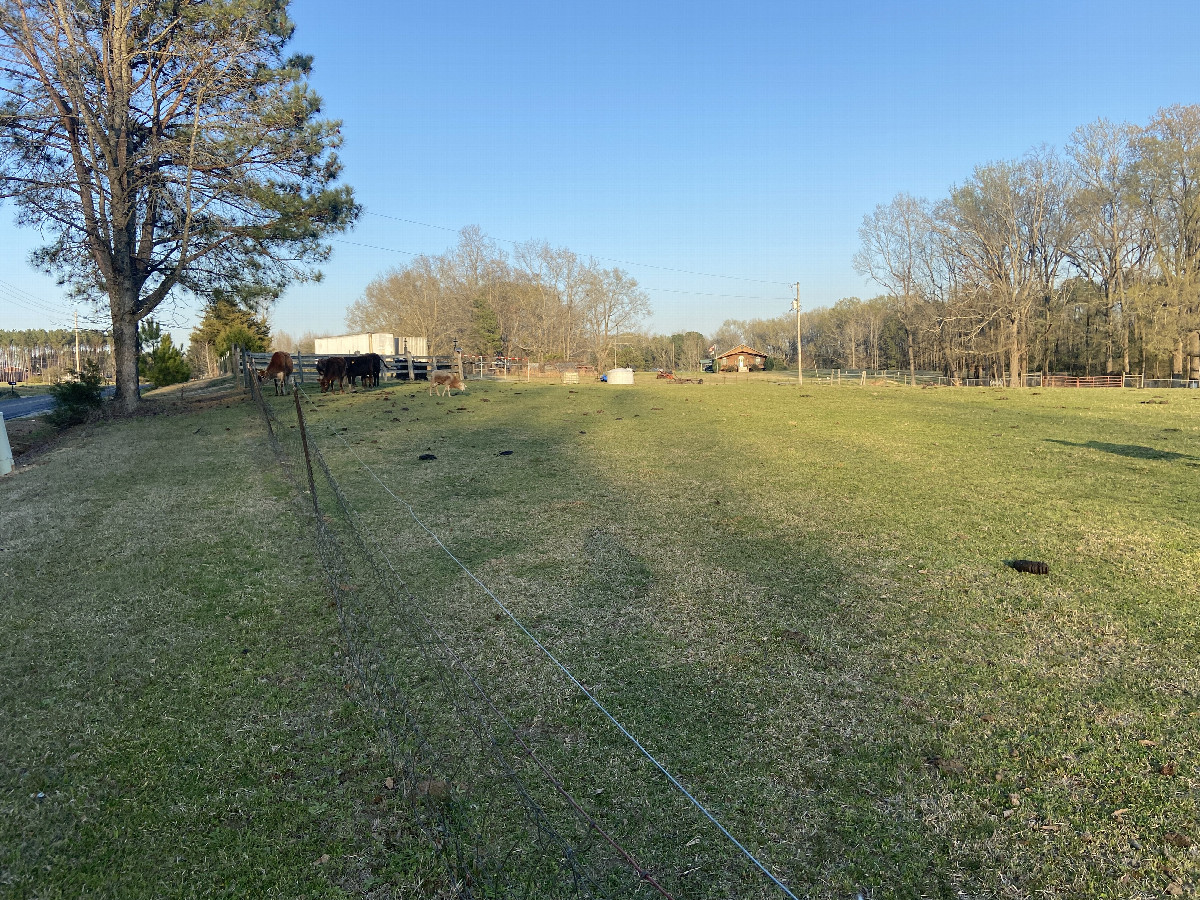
(381, 342)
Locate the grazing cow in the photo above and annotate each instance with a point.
(447, 380)
(279, 369)
(330, 369)
(367, 367)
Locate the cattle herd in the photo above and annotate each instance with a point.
(350, 368)
(341, 369)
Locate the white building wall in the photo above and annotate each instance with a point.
(417, 346)
(381, 342)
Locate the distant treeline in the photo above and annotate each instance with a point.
(547, 303)
(38, 351)
(1084, 261)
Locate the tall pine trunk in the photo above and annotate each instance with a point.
(125, 353)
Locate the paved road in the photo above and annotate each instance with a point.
(36, 405)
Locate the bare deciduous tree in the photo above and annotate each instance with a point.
(412, 301)
(1007, 226)
(614, 304)
(1168, 172)
(1112, 239)
(894, 250)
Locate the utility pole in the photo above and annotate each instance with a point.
(799, 353)
(77, 342)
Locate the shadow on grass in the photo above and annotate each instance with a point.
(1133, 451)
(733, 653)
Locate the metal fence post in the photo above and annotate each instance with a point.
(312, 485)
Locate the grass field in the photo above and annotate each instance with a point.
(174, 715)
(795, 598)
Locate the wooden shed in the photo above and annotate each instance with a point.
(741, 359)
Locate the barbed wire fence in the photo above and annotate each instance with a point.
(487, 788)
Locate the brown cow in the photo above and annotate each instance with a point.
(330, 369)
(279, 369)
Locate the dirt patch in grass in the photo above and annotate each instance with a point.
(28, 436)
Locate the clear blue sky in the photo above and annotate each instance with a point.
(734, 139)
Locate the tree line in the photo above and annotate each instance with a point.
(542, 302)
(1085, 260)
(51, 352)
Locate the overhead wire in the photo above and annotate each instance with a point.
(10, 293)
(623, 262)
(654, 289)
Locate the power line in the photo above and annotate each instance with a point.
(655, 289)
(710, 294)
(374, 247)
(623, 262)
(60, 315)
(15, 291)
(17, 297)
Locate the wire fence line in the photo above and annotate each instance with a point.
(437, 648)
(562, 849)
(432, 776)
(411, 754)
(442, 645)
(575, 681)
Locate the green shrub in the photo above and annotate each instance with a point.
(76, 401)
(165, 364)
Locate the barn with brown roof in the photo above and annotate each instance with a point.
(741, 358)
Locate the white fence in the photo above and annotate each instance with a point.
(1033, 379)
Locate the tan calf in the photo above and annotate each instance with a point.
(448, 380)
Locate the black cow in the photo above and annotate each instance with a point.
(367, 367)
(330, 369)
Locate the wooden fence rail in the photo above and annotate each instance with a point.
(304, 365)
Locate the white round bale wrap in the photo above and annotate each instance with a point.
(620, 376)
(6, 458)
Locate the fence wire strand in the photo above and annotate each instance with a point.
(457, 832)
(411, 750)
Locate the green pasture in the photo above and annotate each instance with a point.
(795, 598)
(176, 718)
(798, 599)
